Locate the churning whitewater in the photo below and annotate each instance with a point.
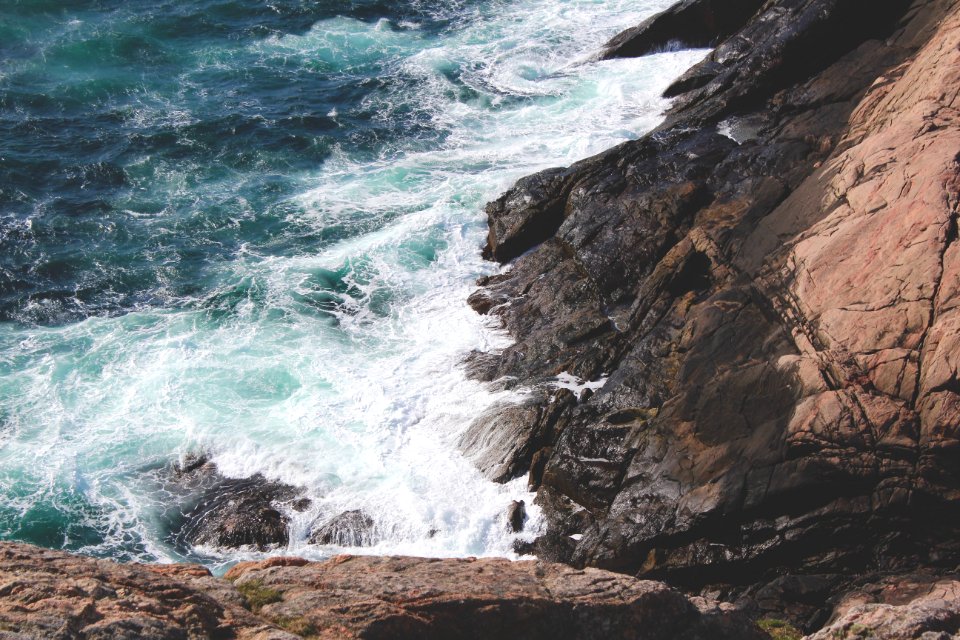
(248, 230)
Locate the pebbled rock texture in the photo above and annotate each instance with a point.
(765, 292)
(53, 595)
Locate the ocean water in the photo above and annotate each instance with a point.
(248, 229)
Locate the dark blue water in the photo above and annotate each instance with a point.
(115, 116)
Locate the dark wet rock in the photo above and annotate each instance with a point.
(690, 23)
(516, 515)
(301, 504)
(785, 43)
(239, 512)
(210, 509)
(500, 441)
(191, 463)
(525, 216)
(349, 529)
(772, 317)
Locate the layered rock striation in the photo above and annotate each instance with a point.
(764, 291)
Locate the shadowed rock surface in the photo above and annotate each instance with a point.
(766, 287)
(690, 23)
(51, 594)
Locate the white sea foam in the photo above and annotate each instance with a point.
(572, 383)
(359, 402)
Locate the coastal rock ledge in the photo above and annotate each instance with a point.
(53, 595)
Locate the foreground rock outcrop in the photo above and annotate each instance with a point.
(914, 606)
(760, 301)
(50, 594)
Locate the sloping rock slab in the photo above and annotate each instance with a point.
(694, 23)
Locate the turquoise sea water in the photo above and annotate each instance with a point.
(248, 229)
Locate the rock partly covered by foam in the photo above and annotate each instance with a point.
(767, 288)
(213, 510)
(353, 528)
(50, 594)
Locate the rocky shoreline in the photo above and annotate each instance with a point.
(766, 288)
(755, 311)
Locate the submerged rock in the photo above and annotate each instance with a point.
(349, 529)
(516, 515)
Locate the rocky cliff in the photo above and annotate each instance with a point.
(739, 337)
(764, 295)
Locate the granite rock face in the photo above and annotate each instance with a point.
(50, 594)
(764, 294)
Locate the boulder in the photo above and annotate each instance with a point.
(217, 511)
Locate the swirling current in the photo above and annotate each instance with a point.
(247, 228)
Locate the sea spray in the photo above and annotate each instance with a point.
(250, 233)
